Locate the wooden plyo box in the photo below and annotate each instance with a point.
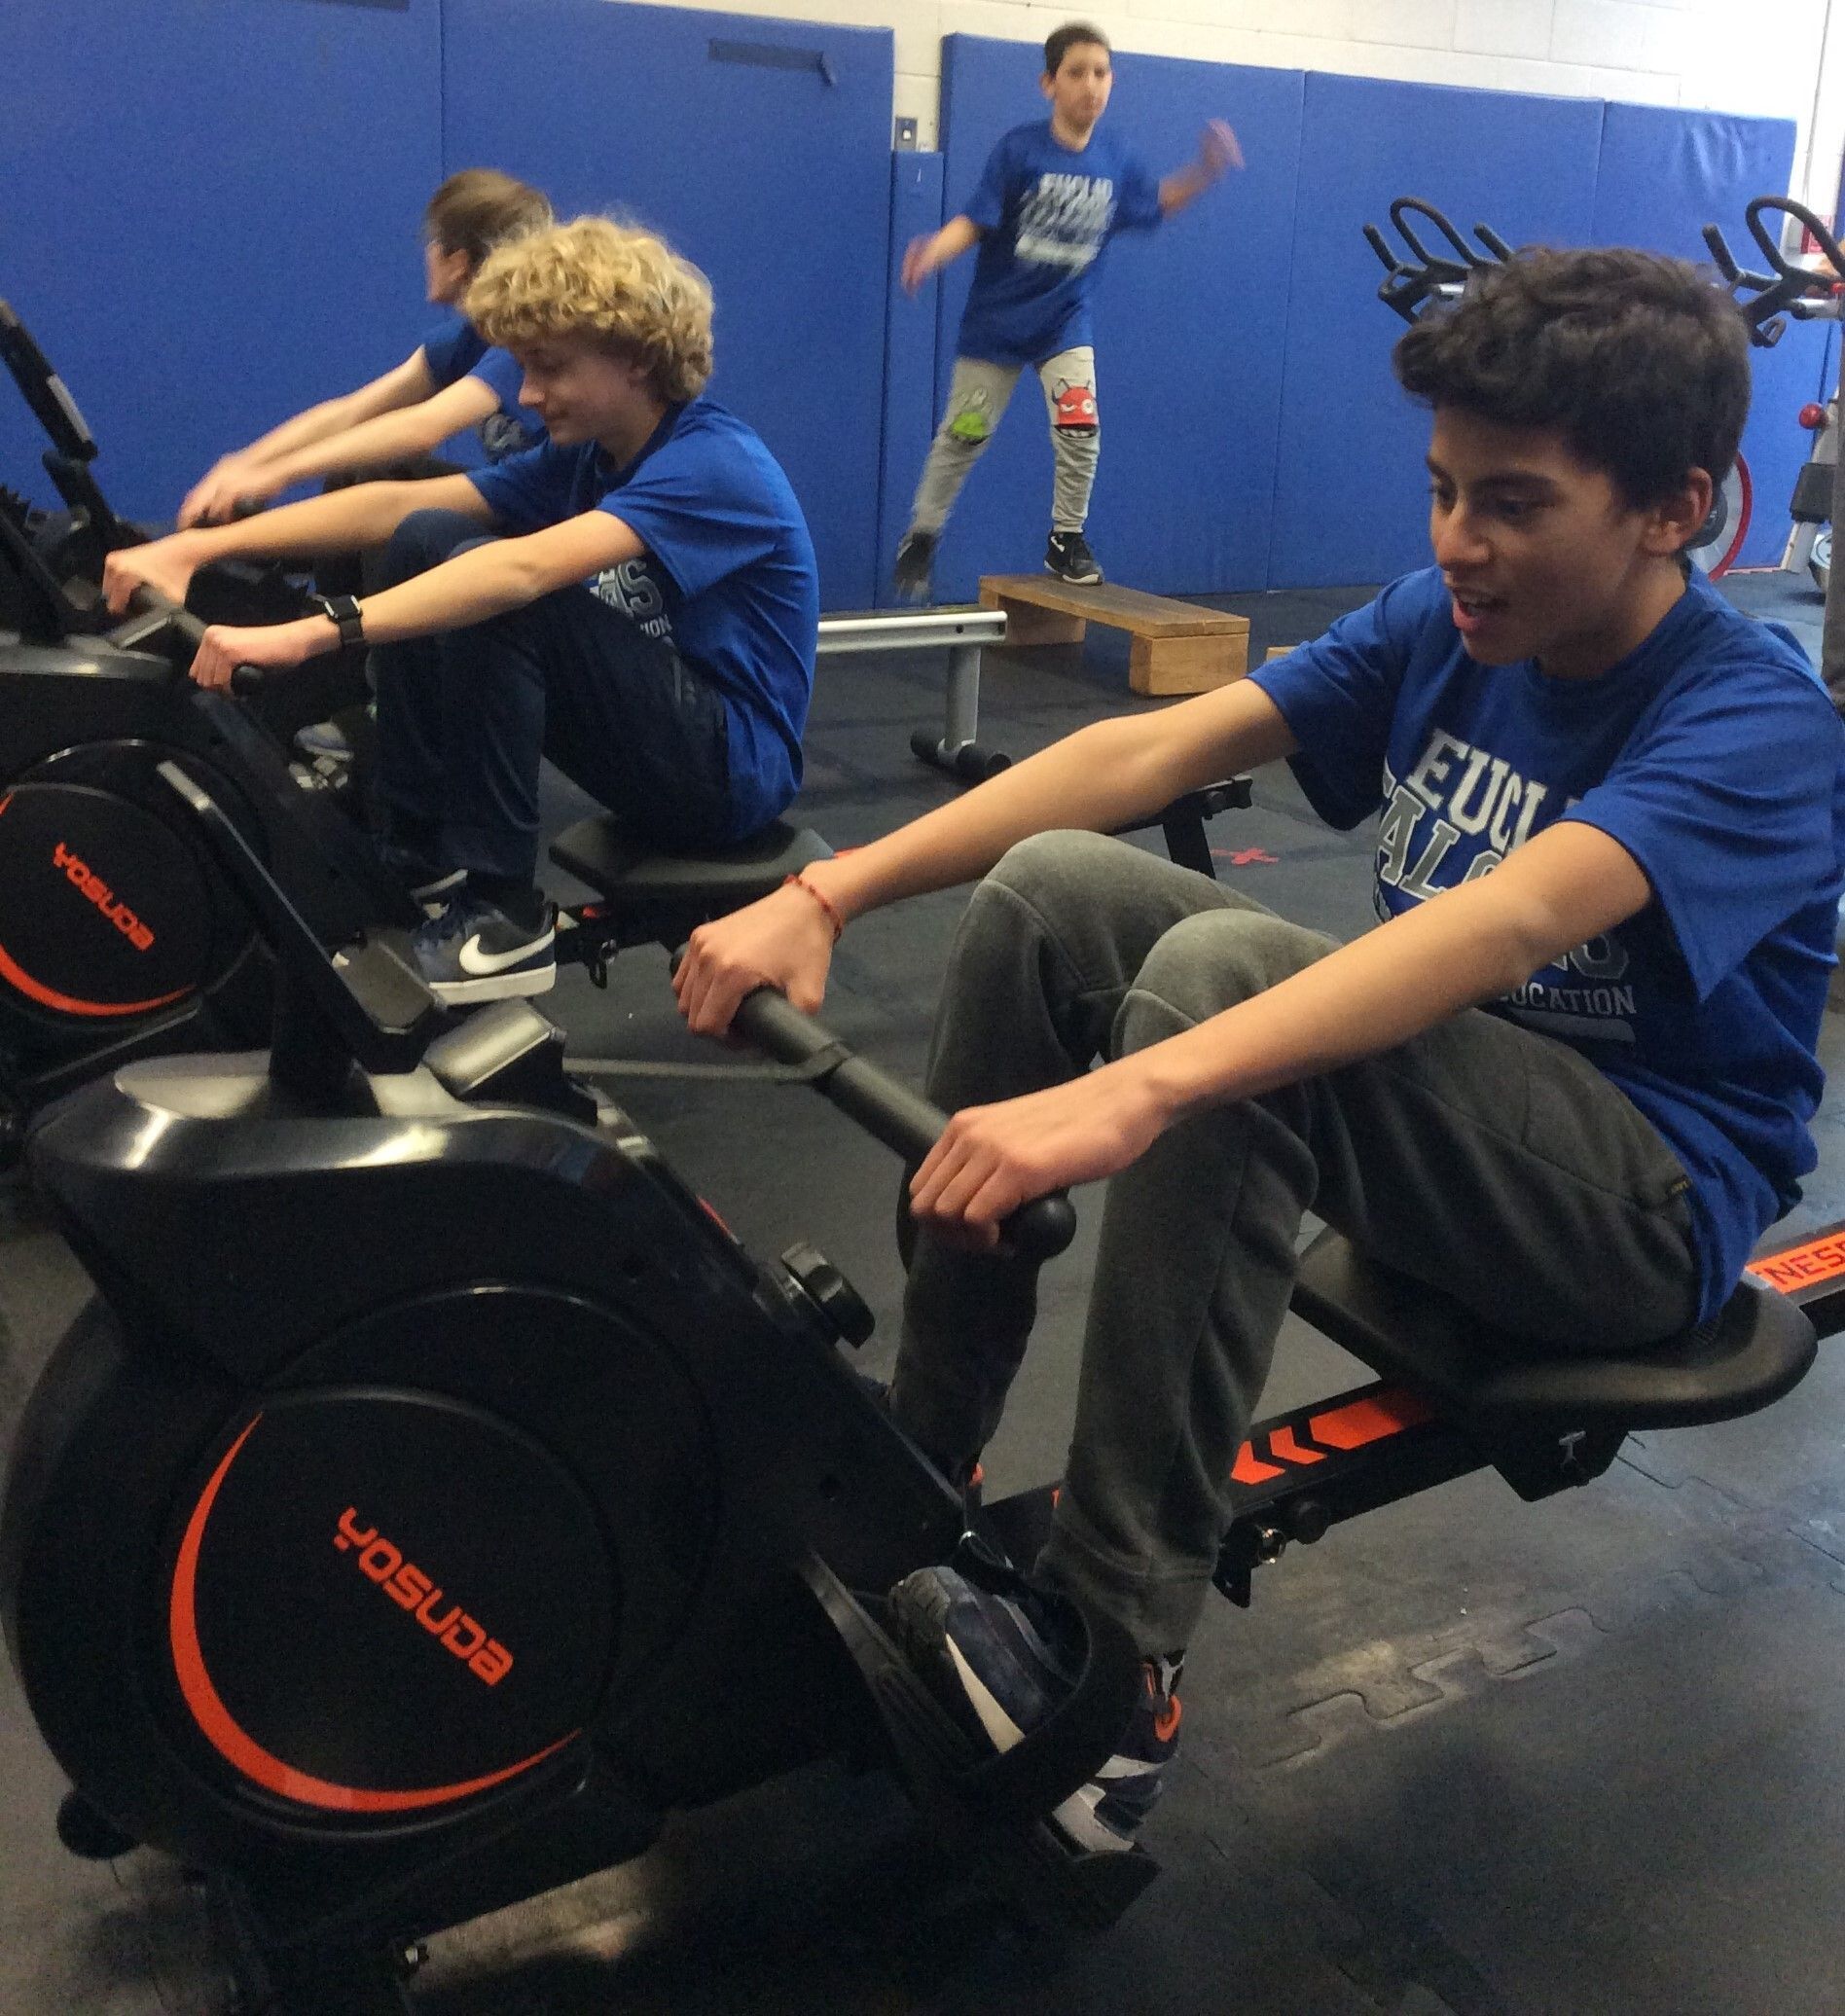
(1176, 647)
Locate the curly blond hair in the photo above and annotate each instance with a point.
(593, 276)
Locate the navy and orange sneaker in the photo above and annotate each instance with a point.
(1001, 1664)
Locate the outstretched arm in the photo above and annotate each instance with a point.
(341, 522)
(485, 581)
(217, 493)
(1218, 151)
(1102, 778)
(376, 442)
(1468, 945)
(928, 254)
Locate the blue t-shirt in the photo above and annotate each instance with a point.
(1047, 215)
(1713, 756)
(728, 576)
(452, 348)
(511, 428)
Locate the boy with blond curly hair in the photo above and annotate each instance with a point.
(636, 599)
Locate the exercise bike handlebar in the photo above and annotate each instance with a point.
(1415, 203)
(886, 1109)
(1409, 285)
(1806, 293)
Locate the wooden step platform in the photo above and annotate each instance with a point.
(1177, 647)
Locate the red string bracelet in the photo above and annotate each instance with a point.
(833, 916)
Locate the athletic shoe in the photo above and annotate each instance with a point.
(1001, 1664)
(474, 951)
(1069, 558)
(326, 741)
(910, 573)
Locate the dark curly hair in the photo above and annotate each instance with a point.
(1638, 361)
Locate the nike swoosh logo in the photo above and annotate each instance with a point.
(473, 959)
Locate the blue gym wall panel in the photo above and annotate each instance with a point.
(211, 218)
(761, 148)
(1188, 331)
(1663, 176)
(909, 388)
(1352, 502)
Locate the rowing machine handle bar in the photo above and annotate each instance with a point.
(244, 678)
(888, 1110)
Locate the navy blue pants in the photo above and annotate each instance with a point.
(464, 716)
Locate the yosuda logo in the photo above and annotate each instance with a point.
(412, 1590)
(77, 870)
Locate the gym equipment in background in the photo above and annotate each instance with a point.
(118, 937)
(1425, 280)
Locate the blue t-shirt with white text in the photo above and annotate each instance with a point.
(1046, 214)
(728, 577)
(1713, 756)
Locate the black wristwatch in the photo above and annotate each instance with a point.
(344, 611)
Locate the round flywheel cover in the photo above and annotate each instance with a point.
(382, 1601)
(104, 911)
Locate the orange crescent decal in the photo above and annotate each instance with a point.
(240, 1750)
(49, 998)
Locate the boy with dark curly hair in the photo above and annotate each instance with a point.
(1567, 1079)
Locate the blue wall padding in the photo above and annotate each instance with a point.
(211, 217)
(1351, 501)
(909, 390)
(772, 175)
(1664, 175)
(1188, 326)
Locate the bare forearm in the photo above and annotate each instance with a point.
(1450, 954)
(957, 236)
(341, 522)
(393, 437)
(1183, 186)
(1100, 779)
(486, 581)
(330, 416)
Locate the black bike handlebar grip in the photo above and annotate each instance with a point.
(1375, 239)
(886, 1109)
(1723, 257)
(1492, 242)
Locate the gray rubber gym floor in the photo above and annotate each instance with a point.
(1468, 1755)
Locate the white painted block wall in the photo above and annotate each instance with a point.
(1781, 57)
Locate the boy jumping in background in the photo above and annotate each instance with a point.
(636, 599)
(449, 383)
(1052, 195)
(1567, 1079)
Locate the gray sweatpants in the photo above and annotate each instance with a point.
(978, 394)
(1494, 1163)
